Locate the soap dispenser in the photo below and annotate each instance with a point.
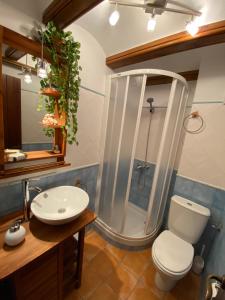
(15, 234)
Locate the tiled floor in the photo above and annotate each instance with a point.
(110, 273)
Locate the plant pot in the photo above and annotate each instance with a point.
(49, 91)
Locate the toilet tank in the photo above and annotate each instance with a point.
(187, 219)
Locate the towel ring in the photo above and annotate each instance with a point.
(193, 115)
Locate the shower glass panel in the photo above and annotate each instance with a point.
(166, 155)
(125, 159)
(114, 126)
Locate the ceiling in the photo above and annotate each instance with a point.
(131, 28)
(33, 9)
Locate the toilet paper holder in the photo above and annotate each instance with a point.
(220, 285)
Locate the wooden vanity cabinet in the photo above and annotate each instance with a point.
(47, 264)
(38, 280)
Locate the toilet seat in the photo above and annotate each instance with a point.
(171, 254)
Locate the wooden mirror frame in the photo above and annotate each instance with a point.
(20, 42)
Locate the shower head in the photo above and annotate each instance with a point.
(150, 101)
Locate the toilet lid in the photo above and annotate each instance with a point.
(173, 253)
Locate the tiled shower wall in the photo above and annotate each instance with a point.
(11, 197)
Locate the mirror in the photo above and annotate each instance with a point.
(21, 85)
(24, 147)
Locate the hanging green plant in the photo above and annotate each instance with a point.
(63, 78)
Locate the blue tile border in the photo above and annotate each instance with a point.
(37, 146)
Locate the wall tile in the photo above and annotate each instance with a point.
(10, 198)
(141, 184)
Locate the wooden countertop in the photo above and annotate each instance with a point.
(39, 239)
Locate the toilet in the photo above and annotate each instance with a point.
(172, 250)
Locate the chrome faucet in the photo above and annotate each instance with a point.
(26, 195)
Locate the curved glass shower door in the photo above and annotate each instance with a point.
(114, 209)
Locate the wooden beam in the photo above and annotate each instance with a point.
(13, 53)
(22, 43)
(65, 12)
(157, 80)
(210, 34)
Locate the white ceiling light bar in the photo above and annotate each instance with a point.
(157, 7)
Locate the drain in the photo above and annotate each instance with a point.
(61, 210)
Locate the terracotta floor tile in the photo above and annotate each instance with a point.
(142, 284)
(89, 283)
(111, 273)
(103, 264)
(93, 245)
(74, 295)
(187, 288)
(90, 251)
(96, 240)
(137, 262)
(148, 276)
(142, 294)
(118, 253)
(104, 292)
(122, 282)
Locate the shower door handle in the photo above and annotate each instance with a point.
(220, 280)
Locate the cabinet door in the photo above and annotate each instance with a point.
(12, 112)
(39, 279)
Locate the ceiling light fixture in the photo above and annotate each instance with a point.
(27, 77)
(158, 7)
(114, 17)
(151, 23)
(26, 72)
(192, 27)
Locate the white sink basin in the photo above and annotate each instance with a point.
(59, 205)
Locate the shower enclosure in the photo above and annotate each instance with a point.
(118, 218)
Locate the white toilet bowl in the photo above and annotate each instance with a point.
(172, 251)
(172, 258)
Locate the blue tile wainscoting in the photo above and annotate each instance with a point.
(11, 197)
(37, 147)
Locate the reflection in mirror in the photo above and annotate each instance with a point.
(22, 120)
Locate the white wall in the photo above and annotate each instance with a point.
(211, 81)
(203, 154)
(91, 104)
